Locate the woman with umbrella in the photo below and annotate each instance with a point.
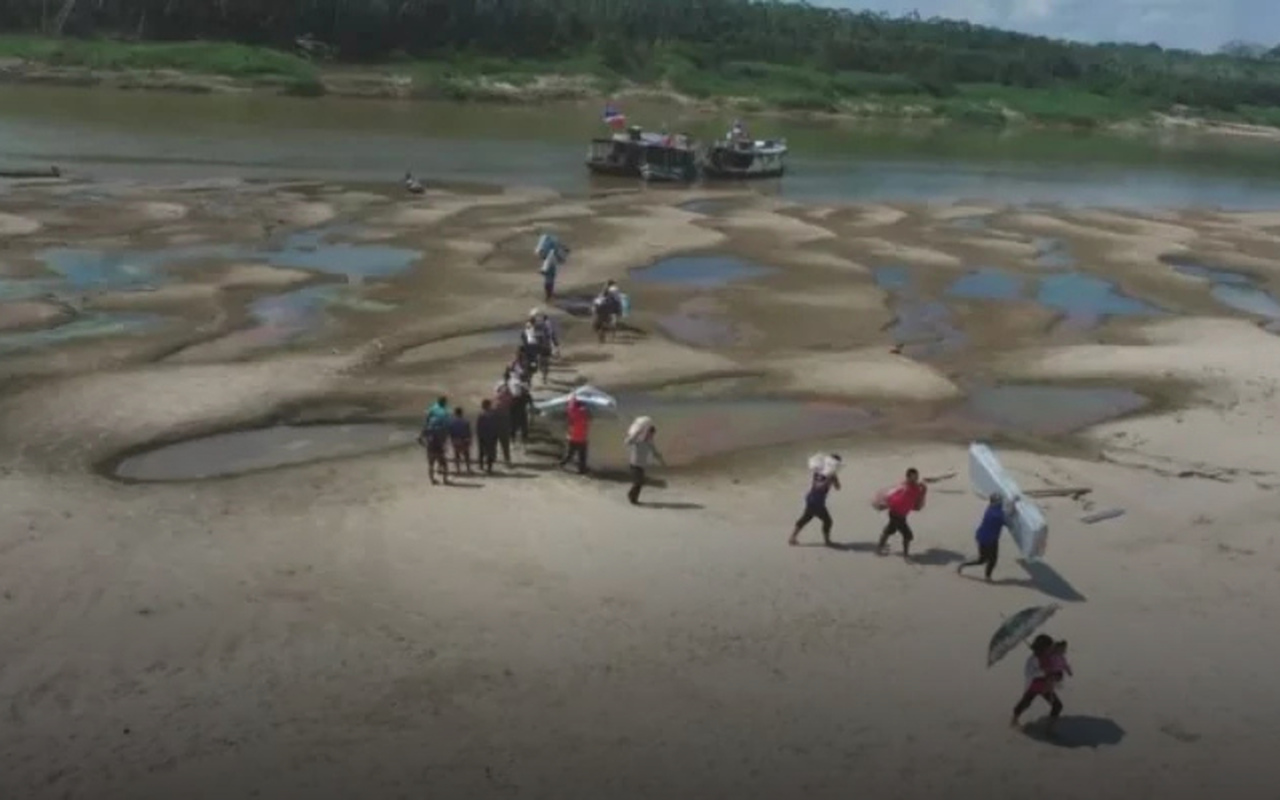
(1039, 673)
(1043, 668)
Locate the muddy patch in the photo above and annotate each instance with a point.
(240, 452)
(701, 272)
(1046, 410)
(1235, 290)
(86, 327)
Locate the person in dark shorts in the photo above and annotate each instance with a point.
(434, 436)
(460, 439)
(488, 432)
(988, 536)
(908, 497)
(815, 504)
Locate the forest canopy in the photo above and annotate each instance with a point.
(702, 46)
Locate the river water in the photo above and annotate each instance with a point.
(153, 136)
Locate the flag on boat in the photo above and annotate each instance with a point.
(613, 117)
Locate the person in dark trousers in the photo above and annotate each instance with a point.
(460, 439)
(908, 497)
(640, 449)
(579, 428)
(815, 504)
(1039, 682)
(488, 433)
(605, 310)
(521, 401)
(502, 406)
(993, 523)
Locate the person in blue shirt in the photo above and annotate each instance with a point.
(435, 431)
(994, 521)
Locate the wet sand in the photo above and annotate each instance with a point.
(340, 628)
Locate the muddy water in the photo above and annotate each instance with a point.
(1232, 289)
(239, 452)
(151, 136)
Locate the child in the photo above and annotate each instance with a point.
(1038, 682)
(1057, 665)
(460, 438)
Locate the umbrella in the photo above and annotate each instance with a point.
(1016, 629)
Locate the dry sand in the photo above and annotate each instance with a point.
(343, 630)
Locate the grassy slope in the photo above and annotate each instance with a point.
(749, 86)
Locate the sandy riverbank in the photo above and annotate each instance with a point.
(340, 628)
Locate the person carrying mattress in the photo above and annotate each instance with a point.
(640, 450)
(994, 520)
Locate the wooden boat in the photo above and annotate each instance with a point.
(745, 159)
(51, 172)
(638, 154)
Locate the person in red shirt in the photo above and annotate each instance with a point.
(902, 501)
(579, 418)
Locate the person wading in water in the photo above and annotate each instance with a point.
(821, 483)
(902, 501)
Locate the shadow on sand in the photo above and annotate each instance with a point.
(1050, 582)
(671, 506)
(937, 557)
(1073, 732)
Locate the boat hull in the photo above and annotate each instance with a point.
(613, 170)
(714, 174)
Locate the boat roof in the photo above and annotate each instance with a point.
(759, 146)
(649, 139)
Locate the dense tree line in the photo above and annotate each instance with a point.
(635, 37)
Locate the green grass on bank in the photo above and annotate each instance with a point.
(208, 58)
(751, 86)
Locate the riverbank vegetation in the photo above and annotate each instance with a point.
(755, 54)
